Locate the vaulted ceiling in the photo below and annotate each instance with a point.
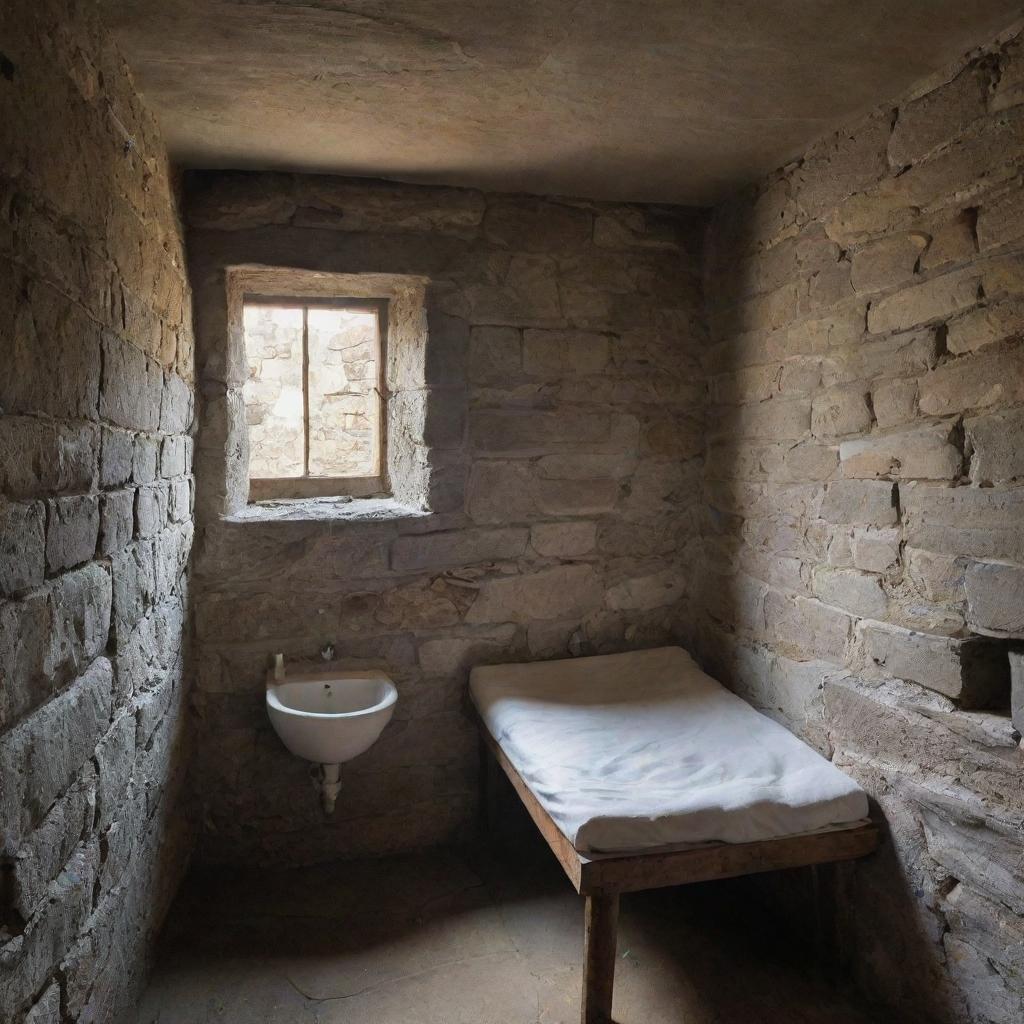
(663, 100)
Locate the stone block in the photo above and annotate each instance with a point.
(636, 228)
(643, 593)
(1001, 221)
(171, 550)
(973, 846)
(859, 503)
(537, 225)
(495, 355)
(805, 626)
(894, 402)
(22, 546)
(843, 163)
(151, 505)
(444, 424)
(983, 522)
(777, 420)
(986, 325)
(42, 756)
(117, 520)
(933, 119)
(172, 457)
(425, 604)
(892, 261)
(501, 492)
(51, 356)
(115, 759)
(456, 548)
(972, 672)
(875, 550)
(132, 386)
(563, 540)
(134, 585)
(808, 462)
(928, 302)
(447, 351)
(145, 459)
(937, 577)
(564, 592)
(974, 382)
(991, 994)
(575, 497)
(1017, 689)
(901, 355)
(30, 959)
(455, 656)
(72, 532)
(539, 433)
(524, 293)
(1008, 91)
(587, 466)
(45, 850)
(46, 1009)
(951, 242)
(39, 457)
(115, 457)
(996, 444)
(176, 406)
(80, 604)
(25, 646)
(995, 599)
(554, 353)
(680, 437)
(841, 412)
(180, 501)
(924, 453)
(857, 592)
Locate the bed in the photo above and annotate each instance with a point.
(641, 771)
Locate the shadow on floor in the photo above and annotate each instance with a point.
(470, 937)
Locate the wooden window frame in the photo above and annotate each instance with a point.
(306, 486)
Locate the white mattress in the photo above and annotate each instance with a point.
(629, 752)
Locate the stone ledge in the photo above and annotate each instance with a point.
(330, 510)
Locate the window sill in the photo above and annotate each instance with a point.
(326, 510)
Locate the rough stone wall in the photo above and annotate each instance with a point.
(95, 521)
(562, 443)
(865, 527)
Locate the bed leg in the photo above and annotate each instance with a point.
(601, 922)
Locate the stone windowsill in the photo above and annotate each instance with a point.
(328, 510)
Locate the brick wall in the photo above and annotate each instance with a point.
(562, 448)
(95, 521)
(864, 542)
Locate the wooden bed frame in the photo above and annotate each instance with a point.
(601, 878)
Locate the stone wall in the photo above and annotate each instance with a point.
(559, 449)
(95, 521)
(864, 540)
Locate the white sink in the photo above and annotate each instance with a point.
(330, 716)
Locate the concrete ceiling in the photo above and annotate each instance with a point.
(661, 100)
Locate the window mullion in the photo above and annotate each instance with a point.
(305, 390)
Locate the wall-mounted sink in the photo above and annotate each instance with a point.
(329, 716)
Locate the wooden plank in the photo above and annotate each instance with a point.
(656, 869)
(600, 934)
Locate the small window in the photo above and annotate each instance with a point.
(314, 397)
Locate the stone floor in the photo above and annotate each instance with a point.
(468, 938)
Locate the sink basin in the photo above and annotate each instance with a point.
(330, 716)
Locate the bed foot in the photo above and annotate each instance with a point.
(601, 922)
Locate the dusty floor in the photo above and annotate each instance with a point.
(451, 938)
